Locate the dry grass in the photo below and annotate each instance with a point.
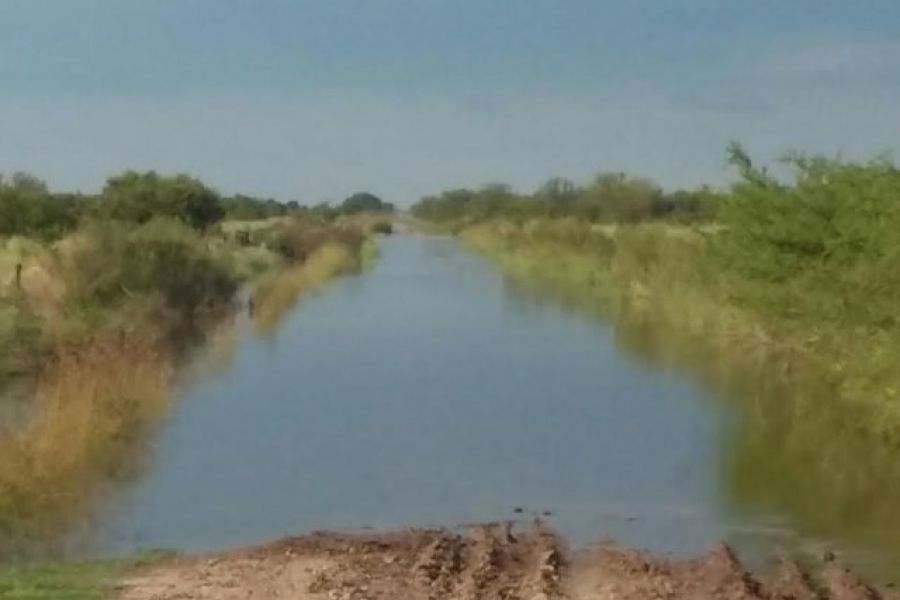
(275, 297)
(105, 366)
(235, 225)
(91, 408)
(368, 222)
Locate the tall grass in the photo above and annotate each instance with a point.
(92, 408)
(818, 439)
(673, 277)
(96, 322)
(101, 319)
(275, 297)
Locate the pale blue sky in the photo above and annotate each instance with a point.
(316, 99)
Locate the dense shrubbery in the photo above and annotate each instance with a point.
(139, 197)
(70, 263)
(800, 270)
(100, 295)
(365, 202)
(247, 208)
(297, 241)
(28, 208)
(823, 247)
(610, 198)
(162, 257)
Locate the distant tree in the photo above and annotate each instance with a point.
(558, 190)
(365, 202)
(29, 184)
(324, 210)
(617, 197)
(139, 197)
(28, 208)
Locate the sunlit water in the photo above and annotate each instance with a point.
(431, 391)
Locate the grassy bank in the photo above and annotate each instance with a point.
(99, 320)
(98, 315)
(276, 295)
(670, 276)
(798, 272)
(103, 350)
(818, 435)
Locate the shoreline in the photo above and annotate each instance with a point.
(485, 561)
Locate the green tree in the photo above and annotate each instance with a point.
(365, 202)
(139, 197)
(28, 208)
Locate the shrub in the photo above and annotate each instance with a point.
(383, 227)
(298, 241)
(139, 197)
(28, 208)
(162, 257)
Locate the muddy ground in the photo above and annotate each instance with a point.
(488, 562)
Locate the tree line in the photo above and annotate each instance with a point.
(610, 197)
(29, 208)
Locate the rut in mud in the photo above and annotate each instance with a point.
(486, 562)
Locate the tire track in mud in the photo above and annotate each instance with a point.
(484, 562)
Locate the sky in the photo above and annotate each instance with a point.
(313, 100)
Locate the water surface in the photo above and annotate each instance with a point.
(433, 391)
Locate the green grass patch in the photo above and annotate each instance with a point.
(95, 580)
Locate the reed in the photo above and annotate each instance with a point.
(275, 296)
(92, 409)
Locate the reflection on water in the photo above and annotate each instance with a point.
(427, 392)
(794, 464)
(432, 390)
(81, 430)
(794, 452)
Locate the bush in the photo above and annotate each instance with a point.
(382, 227)
(139, 197)
(824, 246)
(365, 202)
(162, 257)
(28, 208)
(299, 240)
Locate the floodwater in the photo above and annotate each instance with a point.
(433, 391)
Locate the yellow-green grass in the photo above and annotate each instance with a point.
(275, 296)
(90, 414)
(367, 222)
(94, 580)
(666, 274)
(235, 225)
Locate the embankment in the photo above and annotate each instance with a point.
(103, 323)
(817, 435)
(486, 562)
(671, 276)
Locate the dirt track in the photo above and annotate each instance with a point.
(486, 562)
